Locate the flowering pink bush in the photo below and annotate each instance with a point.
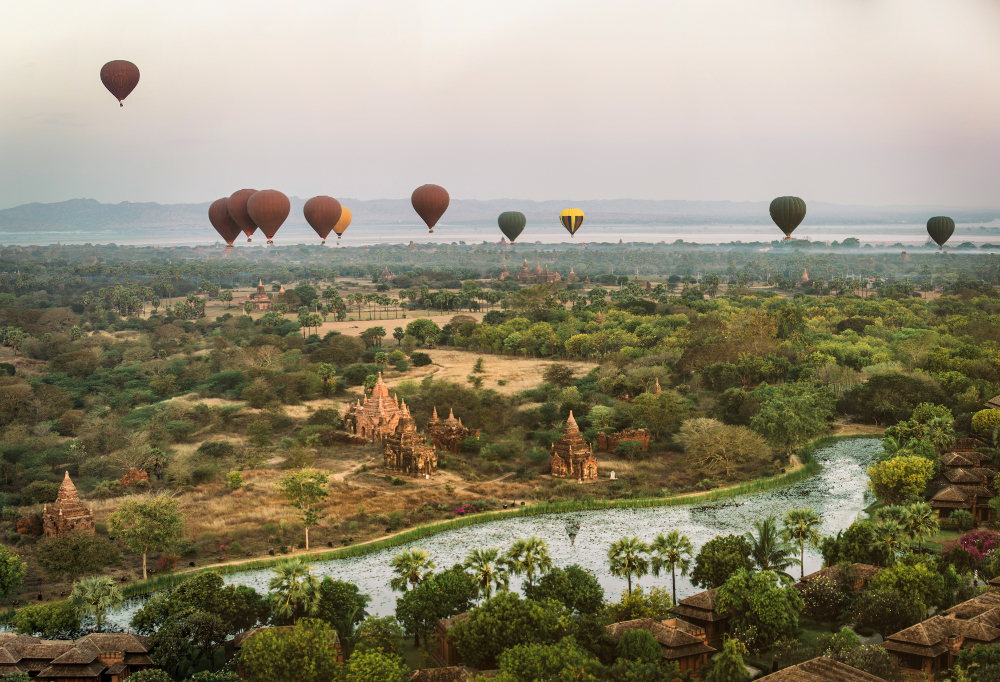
(978, 543)
(464, 509)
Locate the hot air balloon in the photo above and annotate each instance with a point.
(268, 208)
(430, 202)
(120, 78)
(511, 223)
(787, 213)
(571, 219)
(940, 228)
(238, 210)
(322, 213)
(218, 215)
(344, 222)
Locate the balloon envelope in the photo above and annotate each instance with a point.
(218, 215)
(322, 213)
(238, 210)
(787, 213)
(940, 228)
(430, 202)
(512, 223)
(120, 78)
(344, 222)
(571, 219)
(268, 208)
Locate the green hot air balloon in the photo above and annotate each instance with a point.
(787, 213)
(940, 228)
(511, 224)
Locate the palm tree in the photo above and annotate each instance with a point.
(487, 571)
(919, 522)
(889, 537)
(528, 557)
(294, 589)
(411, 566)
(769, 550)
(670, 551)
(625, 558)
(801, 525)
(96, 596)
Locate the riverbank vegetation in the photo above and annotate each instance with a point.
(147, 376)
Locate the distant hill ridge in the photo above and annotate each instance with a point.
(89, 214)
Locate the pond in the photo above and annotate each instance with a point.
(837, 493)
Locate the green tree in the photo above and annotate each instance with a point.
(304, 490)
(801, 526)
(639, 645)
(919, 522)
(574, 587)
(12, 571)
(443, 595)
(729, 666)
(796, 413)
(96, 596)
(226, 296)
(50, 621)
(487, 571)
(886, 612)
(294, 589)
(383, 633)
(764, 609)
(304, 653)
(499, 624)
(528, 557)
(399, 334)
(670, 552)
(626, 559)
(374, 665)
(410, 566)
(718, 559)
(712, 443)
(659, 412)
(188, 642)
(424, 330)
(247, 307)
(144, 525)
(326, 373)
(68, 556)
(900, 477)
(151, 675)
(768, 551)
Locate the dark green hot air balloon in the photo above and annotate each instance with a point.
(940, 228)
(787, 213)
(511, 223)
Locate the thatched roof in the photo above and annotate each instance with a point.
(926, 638)
(676, 642)
(820, 669)
(951, 497)
(700, 606)
(73, 671)
(954, 459)
(993, 403)
(962, 476)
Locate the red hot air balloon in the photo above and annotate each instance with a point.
(120, 78)
(430, 202)
(322, 213)
(269, 208)
(238, 210)
(218, 215)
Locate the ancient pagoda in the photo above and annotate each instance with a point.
(67, 512)
(571, 456)
(377, 418)
(404, 451)
(448, 434)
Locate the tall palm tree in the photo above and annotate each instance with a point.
(527, 557)
(95, 597)
(670, 551)
(487, 571)
(294, 589)
(769, 550)
(889, 538)
(411, 566)
(626, 559)
(802, 526)
(919, 522)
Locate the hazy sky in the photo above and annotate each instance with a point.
(849, 101)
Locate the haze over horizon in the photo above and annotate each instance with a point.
(860, 103)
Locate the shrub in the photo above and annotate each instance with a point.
(260, 433)
(963, 519)
(234, 479)
(217, 449)
(639, 645)
(40, 492)
(326, 417)
(179, 430)
(420, 359)
(985, 421)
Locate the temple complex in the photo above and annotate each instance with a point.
(260, 301)
(447, 434)
(67, 512)
(537, 276)
(405, 451)
(571, 456)
(377, 418)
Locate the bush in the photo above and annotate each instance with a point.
(326, 417)
(47, 620)
(40, 492)
(420, 359)
(963, 519)
(234, 479)
(260, 433)
(639, 645)
(179, 430)
(985, 421)
(217, 449)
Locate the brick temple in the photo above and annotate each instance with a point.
(571, 456)
(67, 512)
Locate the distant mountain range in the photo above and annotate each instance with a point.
(88, 215)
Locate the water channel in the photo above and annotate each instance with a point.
(837, 493)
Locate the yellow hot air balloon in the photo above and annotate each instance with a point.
(345, 220)
(571, 219)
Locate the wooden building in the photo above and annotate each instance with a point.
(444, 653)
(931, 646)
(676, 638)
(98, 657)
(963, 488)
(820, 669)
(700, 610)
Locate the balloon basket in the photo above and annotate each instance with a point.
(431, 231)
(323, 243)
(269, 241)
(249, 240)
(229, 247)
